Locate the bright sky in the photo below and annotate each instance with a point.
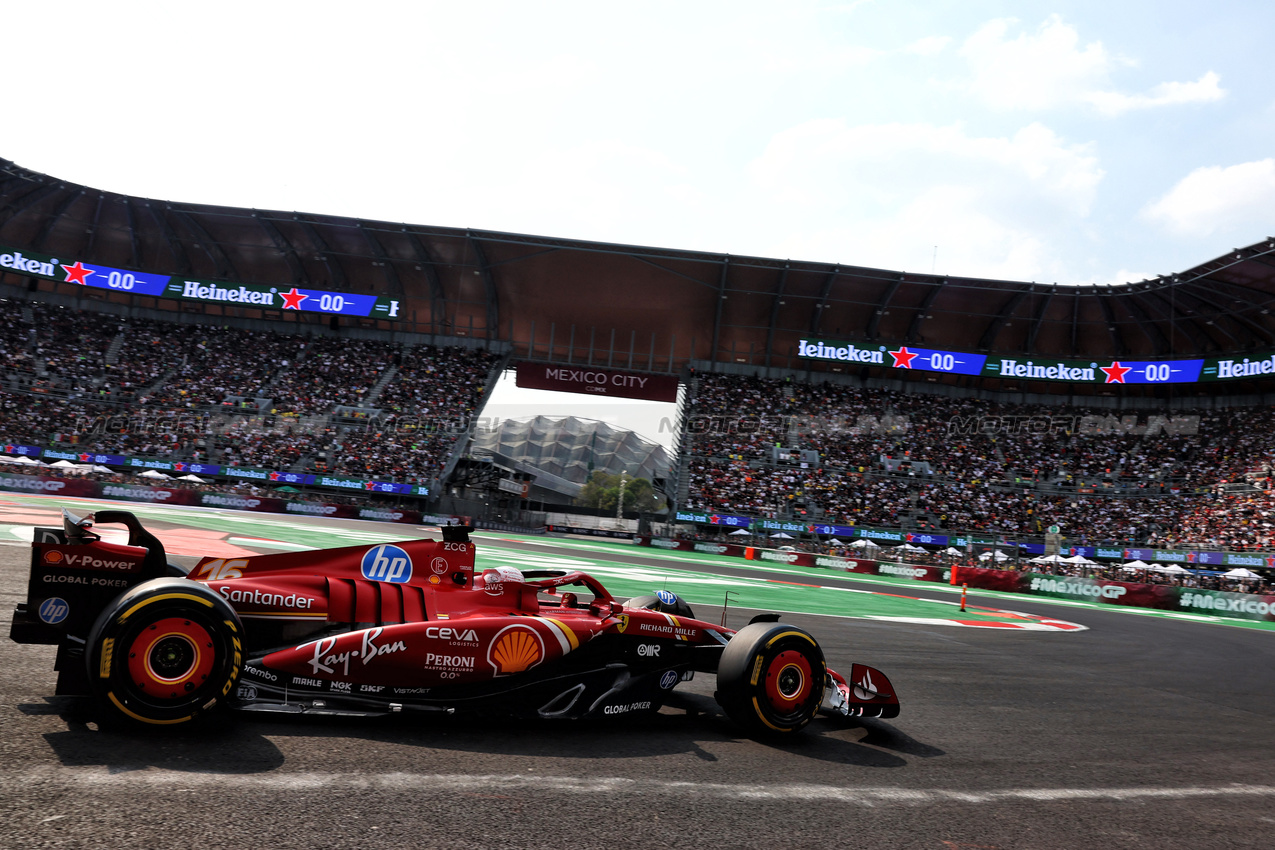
(1069, 142)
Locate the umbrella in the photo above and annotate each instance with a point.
(287, 489)
(1240, 572)
(739, 532)
(781, 536)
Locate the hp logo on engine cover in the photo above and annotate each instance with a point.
(666, 596)
(387, 563)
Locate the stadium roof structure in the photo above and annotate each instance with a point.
(641, 308)
(567, 449)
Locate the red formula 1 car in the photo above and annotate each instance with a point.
(403, 627)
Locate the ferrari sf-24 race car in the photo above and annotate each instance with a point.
(402, 627)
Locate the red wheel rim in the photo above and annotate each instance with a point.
(789, 680)
(171, 658)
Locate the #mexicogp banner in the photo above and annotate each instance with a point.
(185, 289)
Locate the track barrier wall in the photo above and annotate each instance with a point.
(87, 489)
(1246, 606)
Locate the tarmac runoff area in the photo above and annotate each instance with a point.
(1141, 731)
(217, 532)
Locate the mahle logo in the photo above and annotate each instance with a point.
(387, 563)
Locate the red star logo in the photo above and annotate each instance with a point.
(714, 519)
(274, 476)
(292, 299)
(180, 467)
(77, 273)
(909, 537)
(1115, 372)
(8, 450)
(369, 485)
(84, 458)
(903, 358)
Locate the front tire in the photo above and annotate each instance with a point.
(771, 677)
(164, 653)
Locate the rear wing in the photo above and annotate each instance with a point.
(75, 574)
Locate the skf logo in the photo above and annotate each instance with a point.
(624, 623)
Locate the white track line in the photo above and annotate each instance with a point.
(102, 779)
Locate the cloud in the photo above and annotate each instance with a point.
(1215, 198)
(1203, 90)
(874, 194)
(929, 46)
(1050, 68)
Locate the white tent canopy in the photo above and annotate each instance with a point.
(779, 535)
(1137, 564)
(739, 532)
(1240, 572)
(998, 555)
(864, 544)
(152, 473)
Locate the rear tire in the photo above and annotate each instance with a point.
(164, 653)
(771, 677)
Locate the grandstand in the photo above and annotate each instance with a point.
(326, 349)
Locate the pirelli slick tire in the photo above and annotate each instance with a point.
(770, 679)
(680, 608)
(164, 653)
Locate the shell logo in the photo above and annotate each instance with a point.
(515, 649)
(53, 557)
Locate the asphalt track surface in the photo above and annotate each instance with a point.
(1138, 732)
